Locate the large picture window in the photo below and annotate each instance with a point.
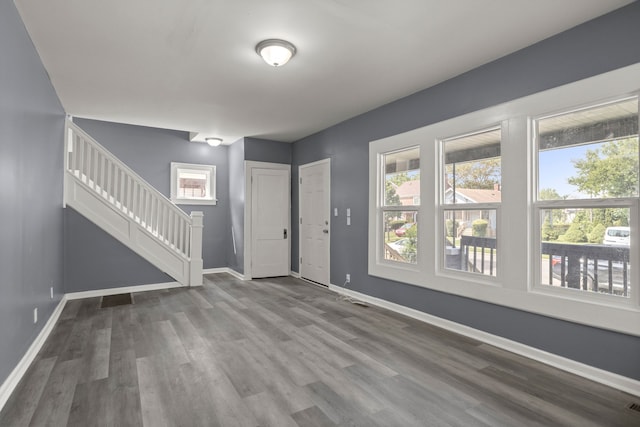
(587, 190)
(533, 204)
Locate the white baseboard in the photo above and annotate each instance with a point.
(122, 290)
(215, 270)
(610, 379)
(238, 275)
(9, 385)
(225, 270)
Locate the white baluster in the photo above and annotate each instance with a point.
(122, 179)
(80, 158)
(109, 179)
(95, 153)
(181, 235)
(170, 227)
(103, 176)
(154, 214)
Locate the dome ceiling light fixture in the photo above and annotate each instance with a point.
(275, 52)
(214, 142)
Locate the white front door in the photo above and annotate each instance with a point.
(270, 201)
(315, 216)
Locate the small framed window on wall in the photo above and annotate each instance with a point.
(193, 184)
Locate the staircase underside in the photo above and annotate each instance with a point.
(126, 228)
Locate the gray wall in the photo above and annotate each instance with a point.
(604, 44)
(31, 151)
(263, 150)
(94, 260)
(236, 205)
(149, 152)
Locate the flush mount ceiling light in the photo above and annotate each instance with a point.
(275, 52)
(214, 142)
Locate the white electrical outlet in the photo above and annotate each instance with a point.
(348, 279)
(35, 315)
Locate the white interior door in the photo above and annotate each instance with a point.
(270, 201)
(315, 218)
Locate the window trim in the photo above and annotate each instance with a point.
(176, 167)
(515, 286)
(442, 269)
(381, 208)
(633, 203)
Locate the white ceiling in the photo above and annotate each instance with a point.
(190, 64)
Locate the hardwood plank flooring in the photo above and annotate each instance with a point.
(281, 352)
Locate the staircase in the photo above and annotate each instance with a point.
(103, 189)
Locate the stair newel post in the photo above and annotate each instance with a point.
(195, 273)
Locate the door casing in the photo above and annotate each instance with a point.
(248, 196)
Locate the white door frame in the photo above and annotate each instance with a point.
(249, 165)
(328, 189)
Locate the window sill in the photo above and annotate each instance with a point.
(195, 202)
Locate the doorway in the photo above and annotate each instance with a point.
(315, 221)
(267, 220)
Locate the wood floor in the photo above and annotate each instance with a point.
(281, 352)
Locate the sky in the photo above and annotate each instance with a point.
(556, 168)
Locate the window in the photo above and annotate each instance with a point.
(193, 184)
(471, 193)
(399, 205)
(551, 182)
(587, 190)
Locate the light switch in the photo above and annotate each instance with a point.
(348, 211)
(348, 220)
(335, 211)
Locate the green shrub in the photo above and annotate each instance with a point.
(574, 234)
(479, 228)
(559, 229)
(597, 234)
(548, 234)
(551, 233)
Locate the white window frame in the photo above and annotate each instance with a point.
(210, 170)
(381, 208)
(517, 284)
(442, 270)
(632, 203)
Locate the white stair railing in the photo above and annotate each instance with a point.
(146, 220)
